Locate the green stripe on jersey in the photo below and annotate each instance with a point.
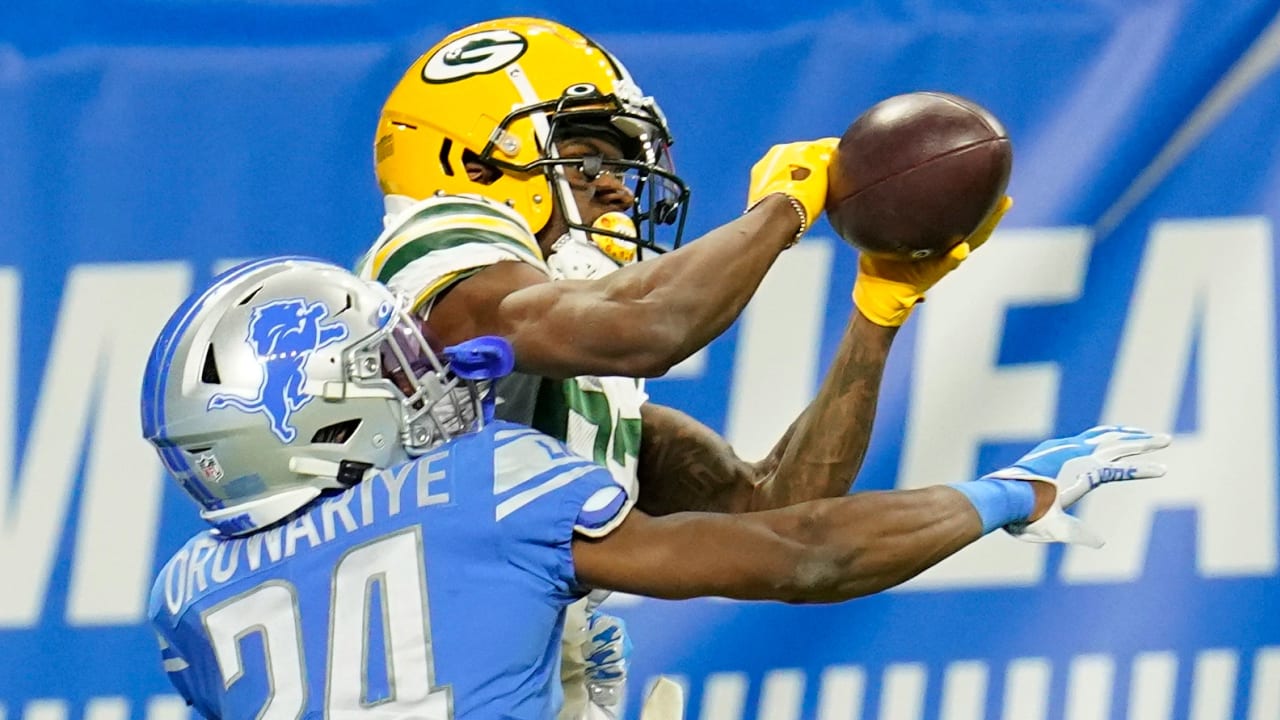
(461, 207)
(444, 239)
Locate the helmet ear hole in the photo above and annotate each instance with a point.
(478, 170)
(445, 165)
(209, 371)
(336, 433)
(250, 296)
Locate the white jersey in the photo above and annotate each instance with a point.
(429, 245)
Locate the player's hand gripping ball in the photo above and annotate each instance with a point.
(916, 174)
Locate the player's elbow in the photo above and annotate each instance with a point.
(826, 575)
(826, 569)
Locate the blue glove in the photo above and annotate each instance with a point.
(1074, 466)
(607, 651)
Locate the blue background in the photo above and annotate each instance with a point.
(202, 130)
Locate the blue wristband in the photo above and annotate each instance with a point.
(998, 502)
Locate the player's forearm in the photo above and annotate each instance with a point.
(688, 297)
(821, 551)
(684, 465)
(821, 453)
(636, 322)
(871, 541)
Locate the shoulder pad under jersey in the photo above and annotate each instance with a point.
(438, 241)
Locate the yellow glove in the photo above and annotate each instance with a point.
(797, 170)
(886, 290)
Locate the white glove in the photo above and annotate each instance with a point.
(607, 652)
(1076, 465)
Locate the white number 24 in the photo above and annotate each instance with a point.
(393, 567)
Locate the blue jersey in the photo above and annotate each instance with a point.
(433, 590)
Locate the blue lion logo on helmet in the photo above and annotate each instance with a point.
(283, 334)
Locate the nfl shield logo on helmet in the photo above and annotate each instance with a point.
(209, 468)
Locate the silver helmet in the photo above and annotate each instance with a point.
(288, 377)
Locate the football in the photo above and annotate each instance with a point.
(917, 173)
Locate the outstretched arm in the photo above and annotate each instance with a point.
(685, 466)
(838, 548)
(822, 451)
(821, 551)
(636, 322)
(646, 317)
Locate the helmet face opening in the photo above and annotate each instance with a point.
(646, 168)
(436, 403)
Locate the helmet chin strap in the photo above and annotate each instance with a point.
(578, 254)
(564, 196)
(579, 260)
(344, 473)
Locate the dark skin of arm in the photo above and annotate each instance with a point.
(675, 304)
(684, 465)
(671, 310)
(570, 327)
(816, 552)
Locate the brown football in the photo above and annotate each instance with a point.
(916, 173)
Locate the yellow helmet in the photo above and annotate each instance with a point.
(498, 92)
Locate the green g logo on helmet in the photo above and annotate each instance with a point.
(476, 54)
